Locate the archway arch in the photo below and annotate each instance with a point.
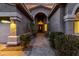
(40, 9)
(75, 9)
(41, 22)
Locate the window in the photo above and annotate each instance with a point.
(76, 26)
(76, 23)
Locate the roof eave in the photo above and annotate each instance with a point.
(24, 11)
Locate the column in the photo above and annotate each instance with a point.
(69, 24)
(13, 38)
(46, 25)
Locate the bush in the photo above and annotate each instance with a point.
(46, 34)
(64, 44)
(25, 40)
(53, 36)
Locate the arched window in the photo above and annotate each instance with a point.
(76, 23)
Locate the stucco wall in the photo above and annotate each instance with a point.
(69, 7)
(55, 22)
(4, 32)
(7, 8)
(23, 26)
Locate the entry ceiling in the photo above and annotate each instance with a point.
(32, 5)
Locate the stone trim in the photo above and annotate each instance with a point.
(69, 17)
(12, 40)
(16, 18)
(15, 15)
(40, 12)
(12, 43)
(74, 9)
(10, 14)
(69, 20)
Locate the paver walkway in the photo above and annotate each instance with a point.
(41, 47)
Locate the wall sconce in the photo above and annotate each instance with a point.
(40, 22)
(46, 27)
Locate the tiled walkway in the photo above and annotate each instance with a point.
(41, 47)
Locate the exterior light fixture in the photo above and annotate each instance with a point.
(5, 21)
(40, 22)
(45, 27)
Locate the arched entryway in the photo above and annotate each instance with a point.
(41, 22)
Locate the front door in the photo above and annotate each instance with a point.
(40, 28)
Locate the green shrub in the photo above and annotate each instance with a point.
(64, 44)
(54, 38)
(25, 39)
(46, 34)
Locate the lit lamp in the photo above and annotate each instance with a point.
(45, 27)
(5, 21)
(40, 22)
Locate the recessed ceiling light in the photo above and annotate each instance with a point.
(5, 21)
